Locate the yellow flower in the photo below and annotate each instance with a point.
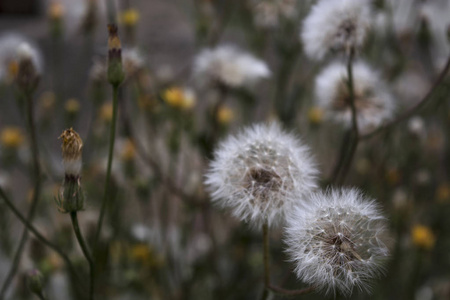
(106, 112)
(225, 115)
(56, 11)
(12, 137)
(443, 193)
(141, 253)
(423, 237)
(315, 115)
(129, 17)
(128, 151)
(72, 106)
(179, 98)
(47, 100)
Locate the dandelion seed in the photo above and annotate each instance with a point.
(254, 172)
(338, 242)
(374, 105)
(335, 25)
(226, 65)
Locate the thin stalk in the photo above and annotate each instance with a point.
(86, 252)
(36, 193)
(41, 296)
(266, 261)
(108, 170)
(422, 103)
(355, 131)
(38, 235)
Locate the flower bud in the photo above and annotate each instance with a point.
(71, 197)
(27, 73)
(115, 70)
(35, 281)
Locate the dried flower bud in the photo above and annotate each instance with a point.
(115, 69)
(72, 146)
(35, 281)
(71, 197)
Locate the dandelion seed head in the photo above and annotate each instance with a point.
(335, 25)
(254, 172)
(374, 104)
(338, 242)
(229, 66)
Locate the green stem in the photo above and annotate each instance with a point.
(266, 261)
(354, 131)
(108, 170)
(38, 235)
(86, 252)
(41, 296)
(36, 193)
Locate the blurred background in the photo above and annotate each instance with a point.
(162, 237)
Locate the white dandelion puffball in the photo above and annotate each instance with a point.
(339, 242)
(335, 25)
(14, 47)
(254, 172)
(374, 104)
(229, 66)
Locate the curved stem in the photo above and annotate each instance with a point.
(108, 170)
(415, 108)
(38, 235)
(266, 261)
(36, 193)
(286, 292)
(86, 252)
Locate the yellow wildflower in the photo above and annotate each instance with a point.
(443, 193)
(106, 112)
(56, 11)
(72, 106)
(315, 115)
(423, 237)
(12, 137)
(128, 151)
(225, 115)
(179, 98)
(129, 17)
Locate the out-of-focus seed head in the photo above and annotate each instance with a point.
(28, 74)
(335, 25)
(254, 172)
(338, 242)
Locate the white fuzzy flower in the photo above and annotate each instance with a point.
(14, 47)
(335, 25)
(133, 61)
(338, 242)
(254, 172)
(374, 105)
(229, 66)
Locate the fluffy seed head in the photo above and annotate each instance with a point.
(335, 25)
(254, 172)
(229, 66)
(338, 242)
(374, 105)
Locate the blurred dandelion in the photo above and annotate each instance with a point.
(228, 66)
(374, 105)
(335, 25)
(338, 242)
(254, 172)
